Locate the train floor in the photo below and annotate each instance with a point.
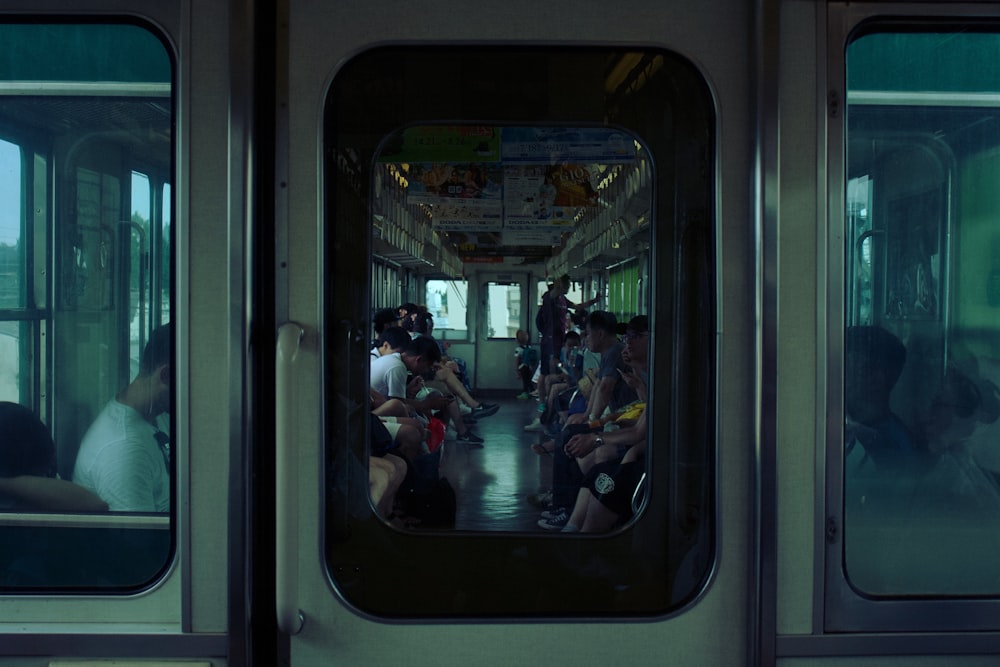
(492, 482)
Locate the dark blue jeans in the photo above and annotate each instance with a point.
(566, 474)
(545, 353)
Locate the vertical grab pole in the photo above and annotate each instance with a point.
(290, 617)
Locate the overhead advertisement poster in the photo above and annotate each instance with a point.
(556, 145)
(451, 217)
(492, 248)
(443, 143)
(473, 184)
(545, 198)
(527, 185)
(550, 173)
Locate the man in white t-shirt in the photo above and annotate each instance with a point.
(123, 457)
(389, 376)
(392, 339)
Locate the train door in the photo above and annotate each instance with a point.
(505, 310)
(120, 273)
(393, 114)
(897, 390)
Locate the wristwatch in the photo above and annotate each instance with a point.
(598, 441)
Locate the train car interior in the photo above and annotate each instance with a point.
(381, 333)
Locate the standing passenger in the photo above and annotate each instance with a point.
(544, 322)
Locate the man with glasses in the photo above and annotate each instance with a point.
(609, 392)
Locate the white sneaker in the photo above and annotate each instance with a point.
(465, 409)
(536, 425)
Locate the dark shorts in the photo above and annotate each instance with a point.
(381, 440)
(614, 483)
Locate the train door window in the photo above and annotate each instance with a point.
(448, 302)
(503, 309)
(921, 358)
(12, 261)
(560, 162)
(160, 266)
(139, 282)
(86, 122)
(15, 327)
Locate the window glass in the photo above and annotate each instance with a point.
(448, 302)
(138, 262)
(161, 269)
(922, 337)
(503, 310)
(11, 271)
(86, 347)
(623, 283)
(494, 171)
(9, 346)
(11, 245)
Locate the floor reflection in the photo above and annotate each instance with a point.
(492, 482)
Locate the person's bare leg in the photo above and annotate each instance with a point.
(455, 414)
(407, 421)
(410, 441)
(555, 389)
(455, 386)
(599, 518)
(605, 453)
(543, 386)
(579, 515)
(392, 408)
(399, 467)
(396, 477)
(587, 462)
(378, 482)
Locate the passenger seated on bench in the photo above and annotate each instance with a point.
(392, 339)
(873, 362)
(605, 499)
(407, 432)
(407, 313)
(445, 378)
(612, 393)
(423, 325)
(609, 392)
(28, 478)
(385, 476)
(984, 441)
(386, 468)
(382, 320)
(583, 367)
(123, 457)
(569, 367)
(389, 377)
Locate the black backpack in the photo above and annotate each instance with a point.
(427, 496)
(436, 508)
